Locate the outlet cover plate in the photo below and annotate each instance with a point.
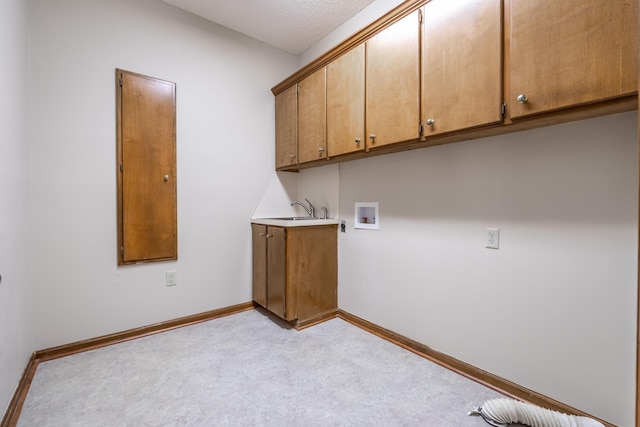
(172, 278)
(493, 238)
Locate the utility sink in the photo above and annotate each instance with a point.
(294, 221)
(295, 218)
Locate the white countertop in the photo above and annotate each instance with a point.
(294, 222)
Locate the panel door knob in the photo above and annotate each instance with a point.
(522, 98)
(431, 122)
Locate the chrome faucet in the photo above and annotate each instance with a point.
(311, 210)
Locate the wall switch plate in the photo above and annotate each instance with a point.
(172, 278)
(493, 238)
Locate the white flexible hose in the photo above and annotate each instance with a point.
(502, 412)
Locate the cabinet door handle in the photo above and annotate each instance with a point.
(269, 235)
(431, 122)
(357, 140)
(372, 136)
(522, 98)
(320, 150)
(261, 234)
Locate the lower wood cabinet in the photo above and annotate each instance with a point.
(295, 271)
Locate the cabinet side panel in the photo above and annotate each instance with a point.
(259, 263)
(314, 269)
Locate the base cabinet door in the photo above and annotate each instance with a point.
(259, 263)
(277, 301)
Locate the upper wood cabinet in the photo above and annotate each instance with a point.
(345, 103)
(287, 128)
(312, 117)
(393, 83)
(565, 53)
(461, 65)
(472, 68)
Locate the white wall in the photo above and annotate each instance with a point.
(554, 308)
(16, 334)
(225, 150)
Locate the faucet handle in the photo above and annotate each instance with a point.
(325, 213)
(311, 208)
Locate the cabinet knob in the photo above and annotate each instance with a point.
(320, 149)
(292, 156)
(261, 234)
(166, 178)
(522, 98)
(357, 140)
(372, 136)
(268, 235)
(431, 122)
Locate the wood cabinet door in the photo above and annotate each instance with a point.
(312, 117)
(461, 65)
(393, 83)
(345, 103)
(287, 128)
(565, 53)
(259, 263)
(276, 272)
(146, 147)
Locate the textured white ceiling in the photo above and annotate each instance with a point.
(291, 25)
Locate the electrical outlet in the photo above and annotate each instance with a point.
(493, 238)
(171, 278)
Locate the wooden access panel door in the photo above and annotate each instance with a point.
(345, 103)
(287, 128)
(393, 83)
(571, 52)
(312, 117)
(146, 150)
(462, 65)
(259, 263)
(277, 301)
